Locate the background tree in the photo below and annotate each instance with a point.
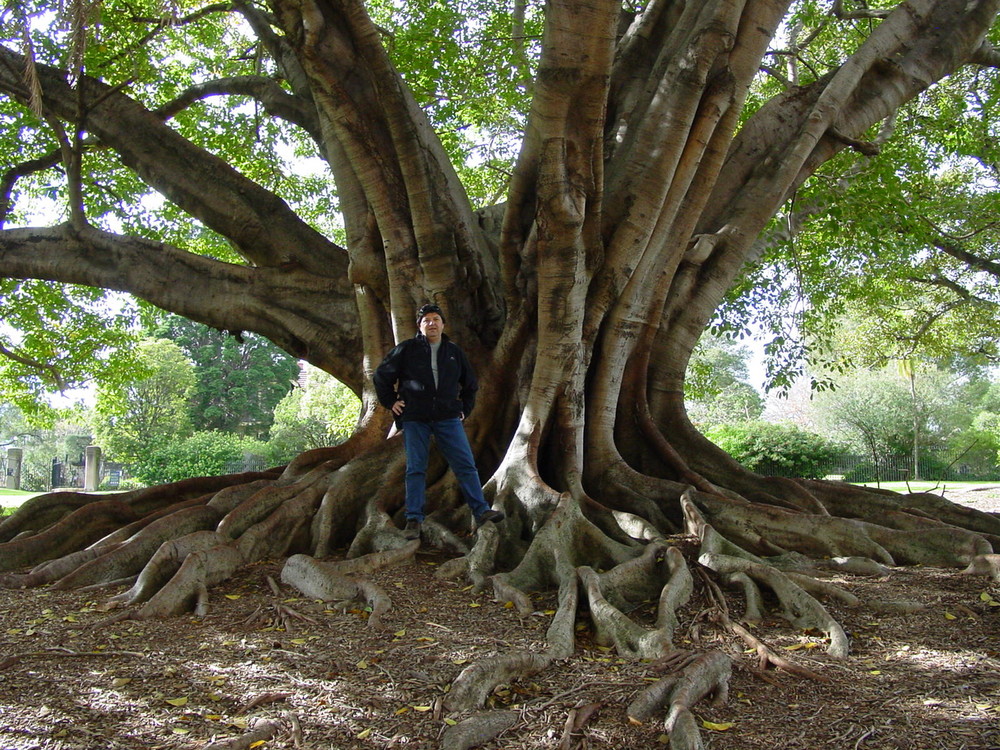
(239, 379)
(54, 338)
(62, 436)
(134, 418)
(655, 144)
(716, 386)
(206, 453)
(320, 413)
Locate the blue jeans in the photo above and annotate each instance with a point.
(454, 446)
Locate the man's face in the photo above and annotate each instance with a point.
(432, 326)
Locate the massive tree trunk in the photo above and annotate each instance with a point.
(636, 200)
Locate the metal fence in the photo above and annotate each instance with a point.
(860, 468)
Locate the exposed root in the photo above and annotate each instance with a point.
(165, 562)
(984, 565)
(504, 592)
(440, 536)
(859, 566)
(130, 558)
(42, 511)
(477, 681)
(80, 528)
(481, 560)
(612, 627)
(706, 675)
(377, 560)
(263, 731)
(275, 534)
(823, 589)
(53, 570)
(766, 656)
(798, 607)
(561, 635)
(284, 617)
(189, 585)
(329, 582)
(566, 541)
(336, 521)
(942, 546)
(639, 579)
(683, 730)
(228, 499)
(478, 729)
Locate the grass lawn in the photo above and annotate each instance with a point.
(924, 486)
(11, 499)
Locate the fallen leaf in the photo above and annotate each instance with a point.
(258, 743)
(949, 616)
(717, 727)
(121, 681)
(299, 641)
(365, 734)
(399, 633)
(421, 709)
(362, 664)
(232, 596)
(180, 730)
(450, 722)
(475, 604)
(177, 701)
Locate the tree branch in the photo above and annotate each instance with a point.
(260, 226)
(986, 54)
(288, 305)
(12, 175)
(41, 367)
(861, 12)
(979, 263)
(267, 91)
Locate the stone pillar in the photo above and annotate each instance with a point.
(91, 468)
(13, 479)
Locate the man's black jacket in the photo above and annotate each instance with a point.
(405, 375)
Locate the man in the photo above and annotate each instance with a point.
(428, 384)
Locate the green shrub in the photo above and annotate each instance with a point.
(777, 450)
(201, 454)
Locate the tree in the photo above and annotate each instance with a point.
(650, 161)
(322, 412)
(239, 379)
(63, 437)
(716, 385)
(207, 452)
(134, 418)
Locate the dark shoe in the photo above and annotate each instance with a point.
(412, 530)
(490, 516)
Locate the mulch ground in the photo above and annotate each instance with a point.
(918, 681)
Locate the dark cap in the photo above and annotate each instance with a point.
(427, 309)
